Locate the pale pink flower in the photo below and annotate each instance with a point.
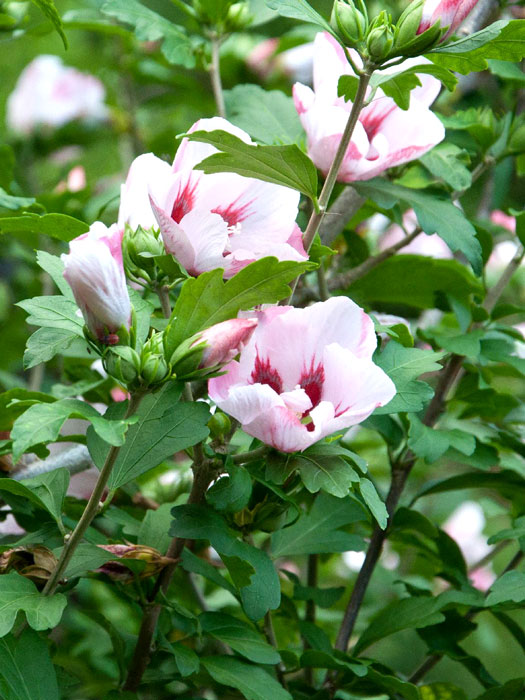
(295, 63)
(384, 136)
(431, 246)
(49, 94)
(225, 340)
(502, 253)
(450, 13)
(75, 181)
(211, 221)
(95, 273)
(304, 374)
(465, 526)
(499, 218)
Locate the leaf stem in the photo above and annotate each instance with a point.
(90, 510)
(251, 455)
(163, 292)
(215, 74)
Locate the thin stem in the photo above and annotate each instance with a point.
(316, 217)
(269, 633)
(163, 292)
(312, 566)
(251, 455)
(495, 292)
(90, 510)
(203, 474)
(324, 294)
(215, 74)
(345, 279)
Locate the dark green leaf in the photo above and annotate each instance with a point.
(231, 493)
(60, 226)
(372, 500)
(51, 489)
(512, 690)
(268, 116)
(435, 214)
(508, 588)
(86, 558)
(240, 636)
(281, 165)
(186, 659)
(15, 401)
(150, 26)
(300, 9)
(19, 593)
(206, 299)
(153, 530)
(322, 467)
(447, 161)
(347, 87)
(26, 670)
(190, 562)
(318, 531)
(252, 682)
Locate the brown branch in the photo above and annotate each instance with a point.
(342, 210)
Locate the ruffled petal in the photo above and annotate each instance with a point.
(147, 174)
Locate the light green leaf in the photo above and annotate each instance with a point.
(300, 9)
(447, 161)
(8, 201)
(268, 116)
(59, 226)
(53, 312)
(240, 636)
(45, 343)
(153, 530)
(508, 588)
(206, 299)
(322, 467)
(150, 26)
(372, 500)
(54, 267)
(26, 670)
(504, 40)
(435, 214)
(318, 532)
(19, 593)
(399, 85)
(51, 489)
(281, 165)
(50, 11)
(251, 681)
(86, 558)
(404, 366)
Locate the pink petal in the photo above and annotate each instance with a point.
(147, 174)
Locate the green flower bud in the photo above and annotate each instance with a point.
(238, 17)
(138, 249)
(348, 22)
(122, 363)
(154, 368)
(517, 140)
(379, 42)
(408, 23)
(219, 425)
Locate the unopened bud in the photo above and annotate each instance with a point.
(238, 17)
(517, 140)
(348, 22)
(219, 425)
(123, 363)
(379, 42)
(138, 250)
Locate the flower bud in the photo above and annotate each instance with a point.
(408, 24)
(517, 140)
(379, 42)
(154, 368)
(123, 363)
(348, 22)
(138, 249)
(95, 273)
(219, 425)
(238, 17)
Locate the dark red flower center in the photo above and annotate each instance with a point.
(234, 213)
(184, 201)
(264, 373)
(312, 382)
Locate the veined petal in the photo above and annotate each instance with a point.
(147, 174)
(208, 234)
(176, 240)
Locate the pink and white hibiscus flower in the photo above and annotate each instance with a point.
(50, 94)
(384, 136)
(95, 273)
(450, 13)
(211, 221)
(304, 374)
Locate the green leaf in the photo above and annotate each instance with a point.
(506, 482)
(281, 165)
(150, 26)
(50, 11)
(59, 226)
(317, 658)
(186, 659)
(435, 214)
(318, 532)
(8, 201)
(512, 690)
(508, 588)
(415, 281)
(206, 299)
(399, 85)
(460, 343)
(240, 636)
(268, 116)
(15, 401)
(251, 681)
(516, 532)
(347, 87)
(45, 343)
(26, 671)
(322, 467)
(164, 426)
(409, 613)
(503, 40)
(51, 489)
(86, 558)
(323, 597)
(54, 267)
(404, 366)
(190, 562)
(427, 443)
(53, 312)
(153, 530)
(394, 686)
(372, 500)
(447, 161)
(41, 423)
(19, 593)
(300, 9)
(231, 493)
(200, 522)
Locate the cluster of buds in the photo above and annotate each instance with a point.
(423, 25)
(140, 247)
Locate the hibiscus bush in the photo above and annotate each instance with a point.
(263, 322)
